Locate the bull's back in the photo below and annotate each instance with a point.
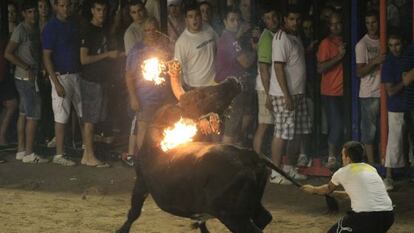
(189, 179)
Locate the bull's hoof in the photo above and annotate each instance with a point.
(263, 219)
(123, 229)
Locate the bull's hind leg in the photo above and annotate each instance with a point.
(139, 195)
(240, 224)
(262, 217)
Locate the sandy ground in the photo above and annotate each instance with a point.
(48, 198)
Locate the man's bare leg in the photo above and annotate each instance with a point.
(60, 136)
(258, 137)
(21, 122)
(10, 107)
(278, 150)
(31, 126)
(369, 148)
(89, 157)
(142, 128)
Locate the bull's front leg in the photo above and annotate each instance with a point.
(139, 195)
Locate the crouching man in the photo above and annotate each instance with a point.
(372, 209)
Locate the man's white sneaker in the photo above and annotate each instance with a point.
(389, 184)
(278, 179)
(293, 172)
(303, 161)
(33, 158)
(61, 160)
(52, 143)
(20, 155)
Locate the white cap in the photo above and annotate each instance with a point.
(173, 2)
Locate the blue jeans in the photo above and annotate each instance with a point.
(369, 119)
(30, 102)
(335, 115)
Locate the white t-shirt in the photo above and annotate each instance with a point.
(196, 53)
(365, 51)
(133, 34)
(288, 48)
(364, 187)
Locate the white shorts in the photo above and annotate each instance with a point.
(394, 157)
(265, 116)
(61, 106)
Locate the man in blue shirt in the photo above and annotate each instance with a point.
(60, 40)
(391, 76)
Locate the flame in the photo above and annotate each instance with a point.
(151, 70)
(183, 131)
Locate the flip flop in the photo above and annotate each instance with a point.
(101, 165)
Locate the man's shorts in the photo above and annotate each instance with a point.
(369, 119)
(30, 102)
(364, 222)
(94, 102)
(61, 106)
(290, 123)
(395, 146)
(264, 115)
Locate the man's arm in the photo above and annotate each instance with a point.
(408, 77)
(281, 79)
(393, 88)
(320, 190)
(130, 82)
(328, 64)
(86, 58)
(174, 70)
(47, 61)
(364, 68)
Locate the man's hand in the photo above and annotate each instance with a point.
(407, 80)
(134, 104)
(174, 68)
(342, 50)
(210, 124)
(379, 59)
(307, 188)
(289, 103)
(59, 89)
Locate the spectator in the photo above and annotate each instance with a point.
(176, 23)
(391, 76)
(134, 32)
(372, 209)
(95, 58)
(23, 51)
(8, 93)
(330, 57)
(232, 61)
(208, 17)
(196, 49)
(146, 97)
(153, 9)
(264, 58)
(12, 16)
(287, 89)
(44, 13)
(368, 60)
(60, 40)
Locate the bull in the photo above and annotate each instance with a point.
(201, 180)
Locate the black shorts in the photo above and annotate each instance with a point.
(364, 222)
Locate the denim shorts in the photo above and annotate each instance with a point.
(335, 114)
(94, 102)
(30, 102)
(370, 108)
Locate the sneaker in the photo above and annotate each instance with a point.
(293, 172)
(52, 143)
(389, 184)
(20, 155)
(128, 159)
(60, 159)
(278, 179)
(33, 158)
(331, 162)
(302, 161)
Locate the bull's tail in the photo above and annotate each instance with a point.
(330, 201)
(273, 166)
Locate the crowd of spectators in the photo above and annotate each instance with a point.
(88, 55)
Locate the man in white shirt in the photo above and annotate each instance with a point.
(195, 49)
(287, 89)
(368, 60)
(372, 209)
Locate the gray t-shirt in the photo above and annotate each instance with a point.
(28, 48)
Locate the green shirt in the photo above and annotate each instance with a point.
(264, 54)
